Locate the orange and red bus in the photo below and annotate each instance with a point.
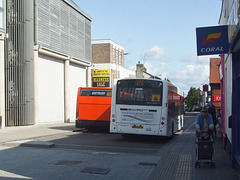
(93, 107)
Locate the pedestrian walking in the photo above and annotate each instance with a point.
(204, 123)
(218, 126)
(204, 149)
(212, 111)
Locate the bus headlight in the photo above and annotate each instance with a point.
(113, 120)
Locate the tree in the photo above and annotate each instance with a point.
(192, 97)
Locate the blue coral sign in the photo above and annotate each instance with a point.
(212, 40)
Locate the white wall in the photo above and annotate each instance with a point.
(228, 94)
(2, 81)
(50, 89)
(77, 79)
(124, 72)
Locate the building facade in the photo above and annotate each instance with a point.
(107, 54)
(2, 58)
(47, 46)
(230, 80)
(62, 46)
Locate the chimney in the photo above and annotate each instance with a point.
(139, 70)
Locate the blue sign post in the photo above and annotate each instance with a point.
(212, 40)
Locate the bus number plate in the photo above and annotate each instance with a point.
(137, 127)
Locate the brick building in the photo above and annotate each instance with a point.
(109, 56)
(215, 82)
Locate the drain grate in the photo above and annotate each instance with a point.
(147, 164)
(67, 162)
(94, 170)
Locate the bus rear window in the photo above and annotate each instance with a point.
(139, 92)
(97, 92)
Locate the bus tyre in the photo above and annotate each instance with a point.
(77, 125)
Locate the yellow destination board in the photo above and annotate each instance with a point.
(156, 98)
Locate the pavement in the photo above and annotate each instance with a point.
(180, 158)
(177, 162)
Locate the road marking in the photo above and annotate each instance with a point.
(5, 174)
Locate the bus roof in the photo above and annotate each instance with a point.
(173, 87)
(95, 87)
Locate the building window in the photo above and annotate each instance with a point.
(120, 57)
(114, 55)
(117, 57)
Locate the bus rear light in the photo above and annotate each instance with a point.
(162, 123)
(77, 114)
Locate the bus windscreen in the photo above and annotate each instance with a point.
(139, 92)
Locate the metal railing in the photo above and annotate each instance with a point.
(19, 63)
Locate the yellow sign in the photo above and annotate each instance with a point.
(100, 73)
(100, 82)
(137, 127)
(156, 98)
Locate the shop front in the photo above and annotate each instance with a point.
(235, 49)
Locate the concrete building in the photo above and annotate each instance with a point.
(203, 98)
(2, 55)
(47, 46)
(230, 80)
(108, 56)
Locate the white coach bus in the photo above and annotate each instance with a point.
(146, 107)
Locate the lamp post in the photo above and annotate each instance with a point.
(117, 66)
(117, 62)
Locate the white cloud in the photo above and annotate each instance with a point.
(154, 60)
(192, 71)
(133, 68)
(204, 59)
(196, 59)
(156, 68)
(191, 76)
(155, 53)
(189, 59)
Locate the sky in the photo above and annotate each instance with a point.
(161, 34)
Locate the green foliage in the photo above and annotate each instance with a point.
(192, 97)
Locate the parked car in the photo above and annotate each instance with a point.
(195, 109)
